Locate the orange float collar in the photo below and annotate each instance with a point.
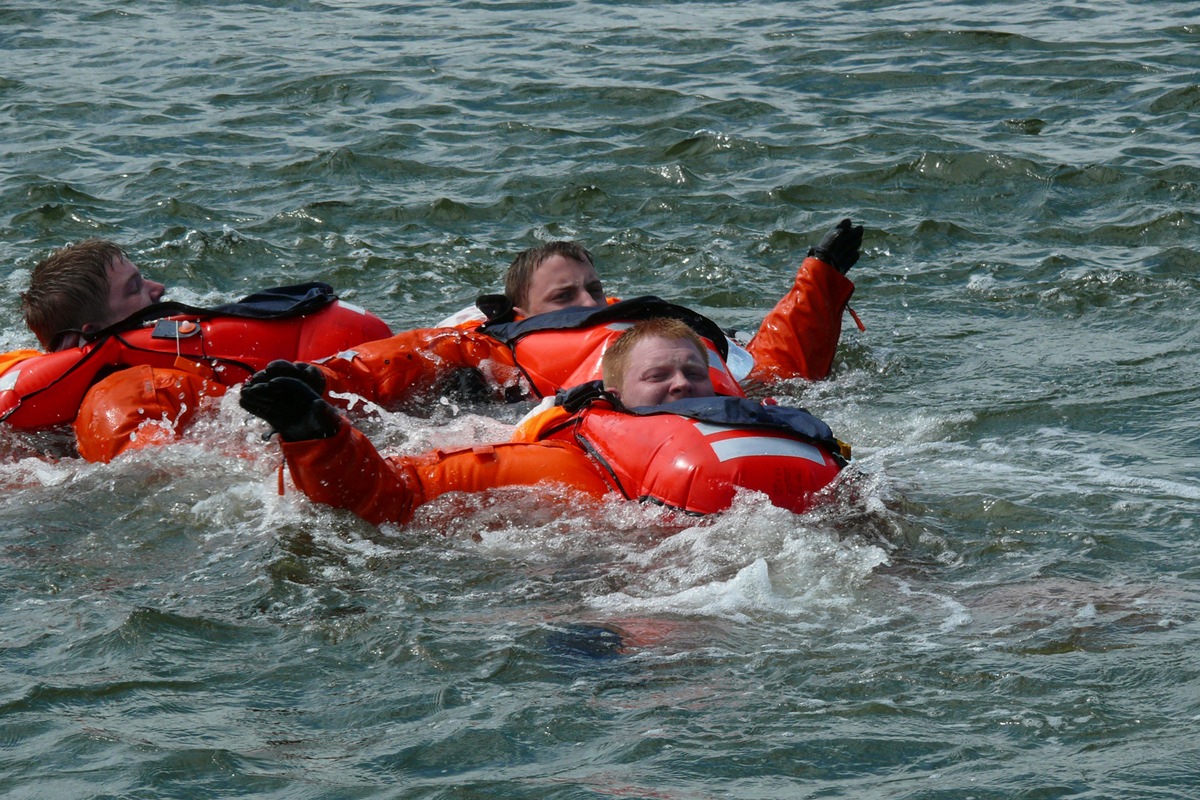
(540, 343)
(696, 454)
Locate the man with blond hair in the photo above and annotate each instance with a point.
(655, 367)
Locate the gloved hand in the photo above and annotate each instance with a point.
(840, 246)
(280, 368)
(283, 395)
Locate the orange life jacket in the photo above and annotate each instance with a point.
(695, 454)
(561, 349)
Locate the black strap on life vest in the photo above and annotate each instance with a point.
(496, 308)
(741, 412)
(280, 302)
(583, 395)
(632, 310)
(745, 413)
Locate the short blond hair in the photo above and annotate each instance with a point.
(615, 362)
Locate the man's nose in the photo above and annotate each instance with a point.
(156, 290)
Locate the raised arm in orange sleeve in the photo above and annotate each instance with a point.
(799, 336)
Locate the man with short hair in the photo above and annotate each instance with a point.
(657, 361)
(142, 386)
(81, 289)
(797, 339)
(553, 276)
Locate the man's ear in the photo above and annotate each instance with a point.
(65, 341)
(520, 312)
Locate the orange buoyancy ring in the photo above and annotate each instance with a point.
(562, 349)
(46, 390)
(698, 465)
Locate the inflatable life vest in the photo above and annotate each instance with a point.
(227, 344)
(564, 348)
(695, 454)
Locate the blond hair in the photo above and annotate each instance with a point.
(615, 362)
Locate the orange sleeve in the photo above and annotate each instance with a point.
(414, 364)
(799, 337)
(346, 471)
(137, 407)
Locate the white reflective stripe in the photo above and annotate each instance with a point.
(352, 307)
(9, 379)
(468, 314)
(345, 355)
(546, 404)
(741, 447)
(740, 362)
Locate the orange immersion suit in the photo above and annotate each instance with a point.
(694, 460)
(797, 339)
(141, 383)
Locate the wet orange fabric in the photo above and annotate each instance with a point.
(15, 357)
(345, 471)
(411, 365)
(799, 337)
(136, 407)
(666, 458)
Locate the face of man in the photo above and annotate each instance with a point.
(662, 371)
(560, 282)
(128, 292)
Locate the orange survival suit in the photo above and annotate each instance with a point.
(692, 455)
(141, 381)
(536, 357)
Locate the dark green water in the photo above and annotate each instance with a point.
(1006, 607)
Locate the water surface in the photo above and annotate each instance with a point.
(1002, 605)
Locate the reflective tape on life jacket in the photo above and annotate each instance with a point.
(46, 390)
(699, 464)
(561, 349)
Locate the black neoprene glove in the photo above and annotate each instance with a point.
(279, 368)
(840, 246)
(288, 397)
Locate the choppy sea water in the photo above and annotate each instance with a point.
(1004, 602)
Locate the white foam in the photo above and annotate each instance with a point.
(754, 560)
